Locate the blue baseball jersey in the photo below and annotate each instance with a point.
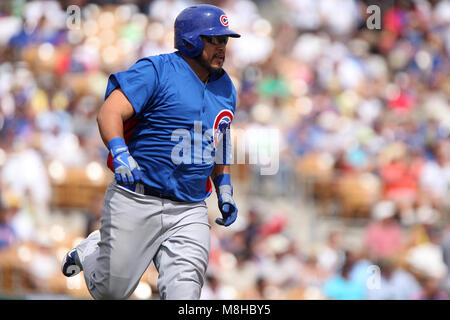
(180, 124)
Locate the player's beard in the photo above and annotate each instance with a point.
(207, 64)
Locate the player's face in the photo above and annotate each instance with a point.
(213, 54)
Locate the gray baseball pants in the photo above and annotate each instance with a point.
(138, 229)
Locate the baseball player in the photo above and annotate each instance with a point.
(151, 121)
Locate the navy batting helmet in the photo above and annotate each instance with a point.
(196, 21)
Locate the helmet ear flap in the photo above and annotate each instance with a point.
(188, 45)
(191, 47)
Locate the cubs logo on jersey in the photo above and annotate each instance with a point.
(221, 124)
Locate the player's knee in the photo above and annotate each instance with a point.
(110, 295)
(118, 290)
(182, 290)
(187, 285)
(115, 295)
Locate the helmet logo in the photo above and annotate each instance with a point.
(224, 20)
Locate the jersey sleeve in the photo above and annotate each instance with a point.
(139, 83)
(234, 99)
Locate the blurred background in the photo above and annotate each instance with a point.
(359, 207)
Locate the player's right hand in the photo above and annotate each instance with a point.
(126, 169)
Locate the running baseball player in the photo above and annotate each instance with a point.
(151, 121)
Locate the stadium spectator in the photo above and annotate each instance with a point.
(369, 102)
(384, 236)
(395, 283)
(342, 286)
(7, 234)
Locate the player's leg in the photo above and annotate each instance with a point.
(183, 256)
(114, 263)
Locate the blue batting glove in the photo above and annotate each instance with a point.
(126, 169)
(227, 206)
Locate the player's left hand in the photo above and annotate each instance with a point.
(228, 209)
(227, 206)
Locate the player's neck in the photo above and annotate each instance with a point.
(201, 72)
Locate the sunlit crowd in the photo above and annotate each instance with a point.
(363, 120)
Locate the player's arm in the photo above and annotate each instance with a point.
(113, 113)
(220, 169)
(224, 189)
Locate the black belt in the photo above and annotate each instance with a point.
(151, 192)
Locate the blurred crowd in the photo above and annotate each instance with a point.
(363, 115)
